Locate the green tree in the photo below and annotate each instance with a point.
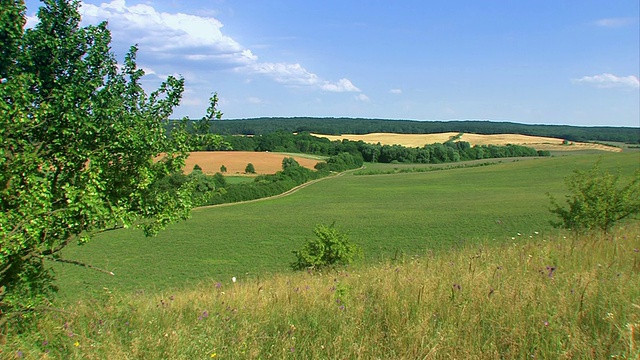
(289, 162)
(250, 169)
(597, 201)
(330, 247)
(223, 169)
(202, 139)
(81, 146)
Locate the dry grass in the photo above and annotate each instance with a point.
(542, 298)
(236, 161)
(419, 140)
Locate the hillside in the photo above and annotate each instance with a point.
(338, 126)
(419, 140)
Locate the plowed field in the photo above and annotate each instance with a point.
(236, 161)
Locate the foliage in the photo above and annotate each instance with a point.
(331, 247)
(223, 169)
(78, 139)
(339, 126)
(201, 136)
(250, 169)
(597, 201)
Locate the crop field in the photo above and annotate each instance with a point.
(419, 140)
(390, 216)
(236, 161)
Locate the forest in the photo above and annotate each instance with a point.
(339, 126)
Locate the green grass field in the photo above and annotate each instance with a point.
(388, 215)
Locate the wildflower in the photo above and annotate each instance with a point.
(546, 323)
(218, 285)
(233, 279)
(76, 344)
(19, 354)
(550, 270)
(214, 355)
(636, 250)
(293, 349)
(341, 307)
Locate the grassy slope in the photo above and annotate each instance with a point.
(545, 298)
(386, 214)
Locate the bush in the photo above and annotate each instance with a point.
(597, 201)
(330, 247)
(250, 169)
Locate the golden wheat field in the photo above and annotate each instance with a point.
(419, 140)
(236, 161)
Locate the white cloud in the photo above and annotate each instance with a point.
(176, 37)
(297, 75)
(396, 91)
(362, 97)
(607, 80)
(614, 22)
(343, 85)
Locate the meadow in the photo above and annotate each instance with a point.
(390, 216)
(459, 263)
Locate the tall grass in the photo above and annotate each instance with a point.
(540, 296)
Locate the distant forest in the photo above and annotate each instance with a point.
(339, 126)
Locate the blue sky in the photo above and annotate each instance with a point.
(571, 62)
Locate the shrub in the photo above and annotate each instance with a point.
(330, 247)
(250, 169)
(597, 201)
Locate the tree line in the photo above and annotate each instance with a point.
(339, 126)
(450, 151)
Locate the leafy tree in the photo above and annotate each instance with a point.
(197, 167)
(330, 247)
(202, 139)
(289, 162)
(249, 169)
(82, 146)
(597, 201)
(223, 169)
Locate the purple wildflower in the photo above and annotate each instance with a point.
(550, 270)
(218, 285)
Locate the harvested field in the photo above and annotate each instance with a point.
(419, 140)
(236, 161)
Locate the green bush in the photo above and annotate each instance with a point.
(596, 201)
(330, 247)
(250, 169)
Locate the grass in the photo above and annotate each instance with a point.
(389, 216)
(545, 297)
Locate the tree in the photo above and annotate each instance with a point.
(249, 169)
(330, 247)
(223, 169)
(289, 162)
(81, 146)
(202, 139)
(597, 201)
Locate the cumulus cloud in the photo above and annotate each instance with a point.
(362, 97)
(614, 22)
(177, 37)
(342, 85)
(396, 91)
(607, 80)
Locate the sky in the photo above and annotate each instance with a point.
(573, 62)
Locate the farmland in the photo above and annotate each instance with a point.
(388, 215)
(418, 140)
(459, 263)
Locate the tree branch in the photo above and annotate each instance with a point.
(78, 263)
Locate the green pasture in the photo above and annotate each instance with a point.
(390, 216)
